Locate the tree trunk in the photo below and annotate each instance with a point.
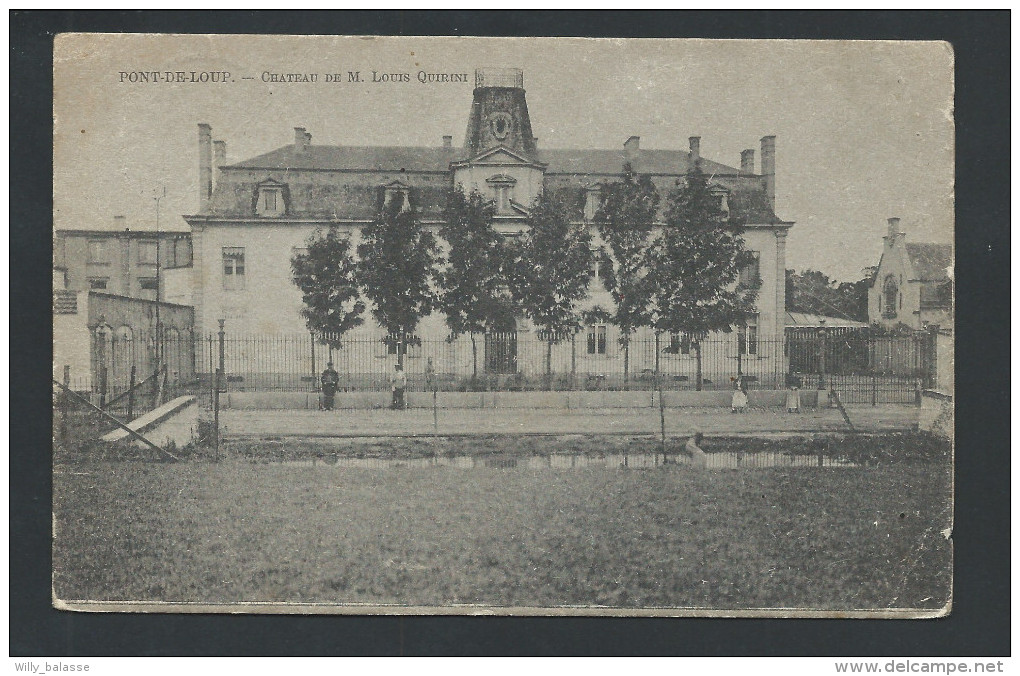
(697, 360)
(474, 361)
(548, 364)
(626, 361)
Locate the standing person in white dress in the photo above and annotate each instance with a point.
(739, 403)
(693, 449)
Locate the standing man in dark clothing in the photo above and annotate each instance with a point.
(330, 382)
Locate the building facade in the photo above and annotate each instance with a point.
(912, 284)
(122, 261)
(256, 214)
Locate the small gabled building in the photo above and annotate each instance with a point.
(912, 284)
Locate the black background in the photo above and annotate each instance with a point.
(979, 624)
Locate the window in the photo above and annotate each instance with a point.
(750, 274)
(98, 283)
(679, 344)
(148, 284)
(596, 265)
(147, 252)
(398, 191)
(597, 339)
(891, 291)
(502, 191)
(98, 252)
(592, 200)
(233, 268)
(270, 201)
(747, 336)
(179, 253)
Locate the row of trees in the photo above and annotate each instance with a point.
(682, 281)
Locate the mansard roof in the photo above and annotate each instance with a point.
(425, 159)
(931, 262)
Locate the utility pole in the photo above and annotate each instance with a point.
(159, 282)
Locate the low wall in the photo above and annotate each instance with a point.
(937, 413)
(266, 401)
(174, 422)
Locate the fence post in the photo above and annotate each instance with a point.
(216, 415)
(221, 334)
(102, 387)
(131, 393)
(65, 401)
(315, 371)
(874, 390)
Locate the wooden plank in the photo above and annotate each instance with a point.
(118, 423)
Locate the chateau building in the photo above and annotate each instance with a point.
(256, 214)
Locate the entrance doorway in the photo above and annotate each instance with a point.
(501, 349)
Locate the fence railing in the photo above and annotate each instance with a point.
(862, 368)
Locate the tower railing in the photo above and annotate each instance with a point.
(499, 77)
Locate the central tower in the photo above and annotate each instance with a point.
(499, 114)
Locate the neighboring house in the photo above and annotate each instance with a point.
(913, 283)
(262, 210)
(123, 262)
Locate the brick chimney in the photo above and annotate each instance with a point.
(219, 158)
(204, 166)
(535, 138)
(768, 167)
(631, 147)
(894, 231)
(302, 138)
(747, 162)
(695, 144)
(447, 141)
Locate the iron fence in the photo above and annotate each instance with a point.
(862, 368)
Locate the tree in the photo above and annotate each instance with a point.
(814, 292)
(474, 294)
(327, 277)
(695, 263)
(396, 270)
(552, 260)
(624, 220)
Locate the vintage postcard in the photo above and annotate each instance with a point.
(502, 326)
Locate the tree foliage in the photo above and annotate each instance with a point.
(624, 220)
(396, 269)
(474, 296)
(327, 277)
(695, 263)
(814, 292)
(550, 275)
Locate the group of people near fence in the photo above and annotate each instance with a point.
(330, 381)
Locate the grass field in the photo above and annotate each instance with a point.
(848, 538)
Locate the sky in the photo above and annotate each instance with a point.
(864, 128)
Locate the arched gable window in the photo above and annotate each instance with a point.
(890, 293)
(502, 187)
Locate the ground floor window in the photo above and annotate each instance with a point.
(747, 337)
(679, 344)
(597, 339)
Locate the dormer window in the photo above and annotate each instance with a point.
(397, 190)
(501, 187)
(269, 201)
(721, 195)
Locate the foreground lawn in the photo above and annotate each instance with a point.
(234, 531)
